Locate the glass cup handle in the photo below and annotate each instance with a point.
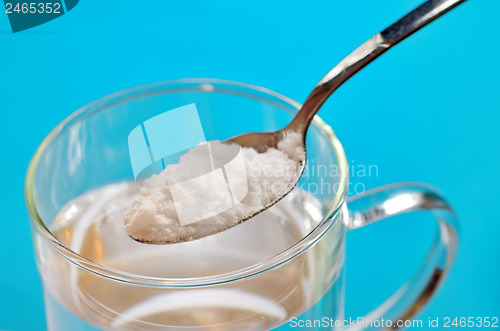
(398, 198)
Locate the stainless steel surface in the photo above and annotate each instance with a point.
(351, 64)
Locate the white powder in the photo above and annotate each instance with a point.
(214, 187)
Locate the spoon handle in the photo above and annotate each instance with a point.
(366, 53)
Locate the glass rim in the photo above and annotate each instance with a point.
(203, 85)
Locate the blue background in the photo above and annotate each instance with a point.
(428, 110)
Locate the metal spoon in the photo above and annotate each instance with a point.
(351, 64)
(363, 55)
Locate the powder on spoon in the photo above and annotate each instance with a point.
(214, 187)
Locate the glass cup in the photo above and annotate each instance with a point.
(284, 266)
